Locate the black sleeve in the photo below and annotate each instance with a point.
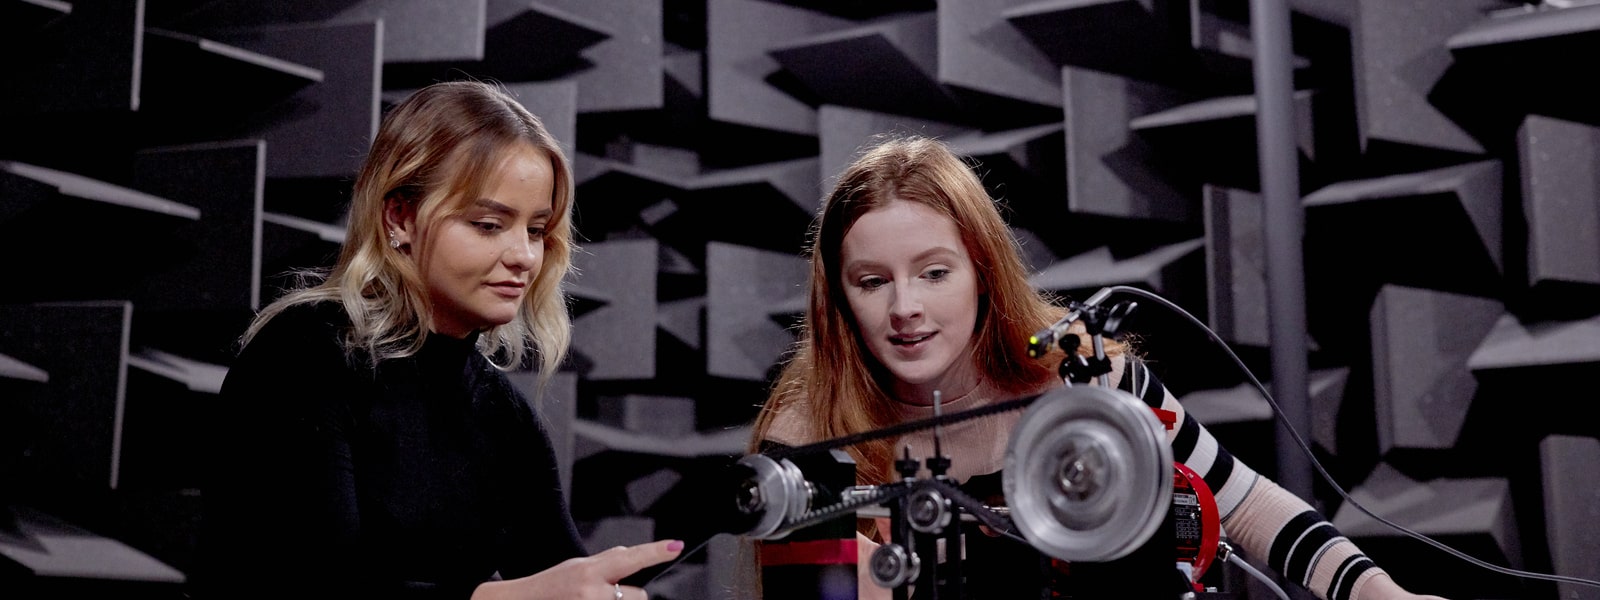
(542, 535)
(278, 493)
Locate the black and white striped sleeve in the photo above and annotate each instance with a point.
(1260, 517)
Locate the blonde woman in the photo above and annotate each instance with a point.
(368, 442)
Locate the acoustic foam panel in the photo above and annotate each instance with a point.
(1100, 268)
(1512, 51)
(684, 320)
(32, 16)
(685, 71)
(323, 130)
(221, 269)
(664, 416)
(1221, 50)
(787, 184)
(1140, 39)
(162, 428)
(66, 557)
(1246, 423)
(1023, 170)
(617, 196)
(1560, 177)
(627, 68)
(1421, 341)
(1460, 207)
(1514, 342)
(739, 71)
(199, 89)
(416, 30)
(843, 132)
(422, 30)
(524, 41)
(556, 105)
(980, 51)
(87, 60)
(1236, 278)
(741, 341)
(132, 234)
(1219, 136)
(643, 492)
(1327, 404)
(1111, 170)
(618, 339)
(780, 196)
(1570, 507)
(1400, 56)
(77, 418)
(11, 368)
(1031, 152)
(1473, 515)
(597, 441)
(887, 66)
(288, 243)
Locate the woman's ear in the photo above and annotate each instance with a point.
(399, 221)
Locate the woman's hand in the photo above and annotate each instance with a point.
(586, 578)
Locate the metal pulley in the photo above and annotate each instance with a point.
(1088, 474)
(928, 511)
(892, 566)
(777, 493)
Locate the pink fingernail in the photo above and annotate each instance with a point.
(674, 546)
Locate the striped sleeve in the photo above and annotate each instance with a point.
(1192, 445)
(1260, 517)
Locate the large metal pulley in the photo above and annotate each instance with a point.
(777, 493)
(1088, 474)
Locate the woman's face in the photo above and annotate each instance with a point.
(914, 293)
(478, 265)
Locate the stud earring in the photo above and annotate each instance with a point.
(393, 241)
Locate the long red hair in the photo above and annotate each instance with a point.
(830, 372)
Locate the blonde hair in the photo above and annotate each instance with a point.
(433, 151)
(829, 371)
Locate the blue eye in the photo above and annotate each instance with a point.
(872, 282)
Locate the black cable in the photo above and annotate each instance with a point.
(1235, 560)
(1278, 412)
(681, 557)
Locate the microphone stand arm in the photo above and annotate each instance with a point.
(1098, 321)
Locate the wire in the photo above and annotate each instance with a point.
(681, 557)
(1320, 470)
(1234, 560)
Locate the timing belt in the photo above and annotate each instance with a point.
(892, 490)
(902, 428)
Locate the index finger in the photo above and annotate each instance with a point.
(621, 562)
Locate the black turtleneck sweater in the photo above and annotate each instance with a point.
(421, 478)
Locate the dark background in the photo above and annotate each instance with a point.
(163, 163)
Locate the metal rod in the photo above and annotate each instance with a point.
(1284, 216)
